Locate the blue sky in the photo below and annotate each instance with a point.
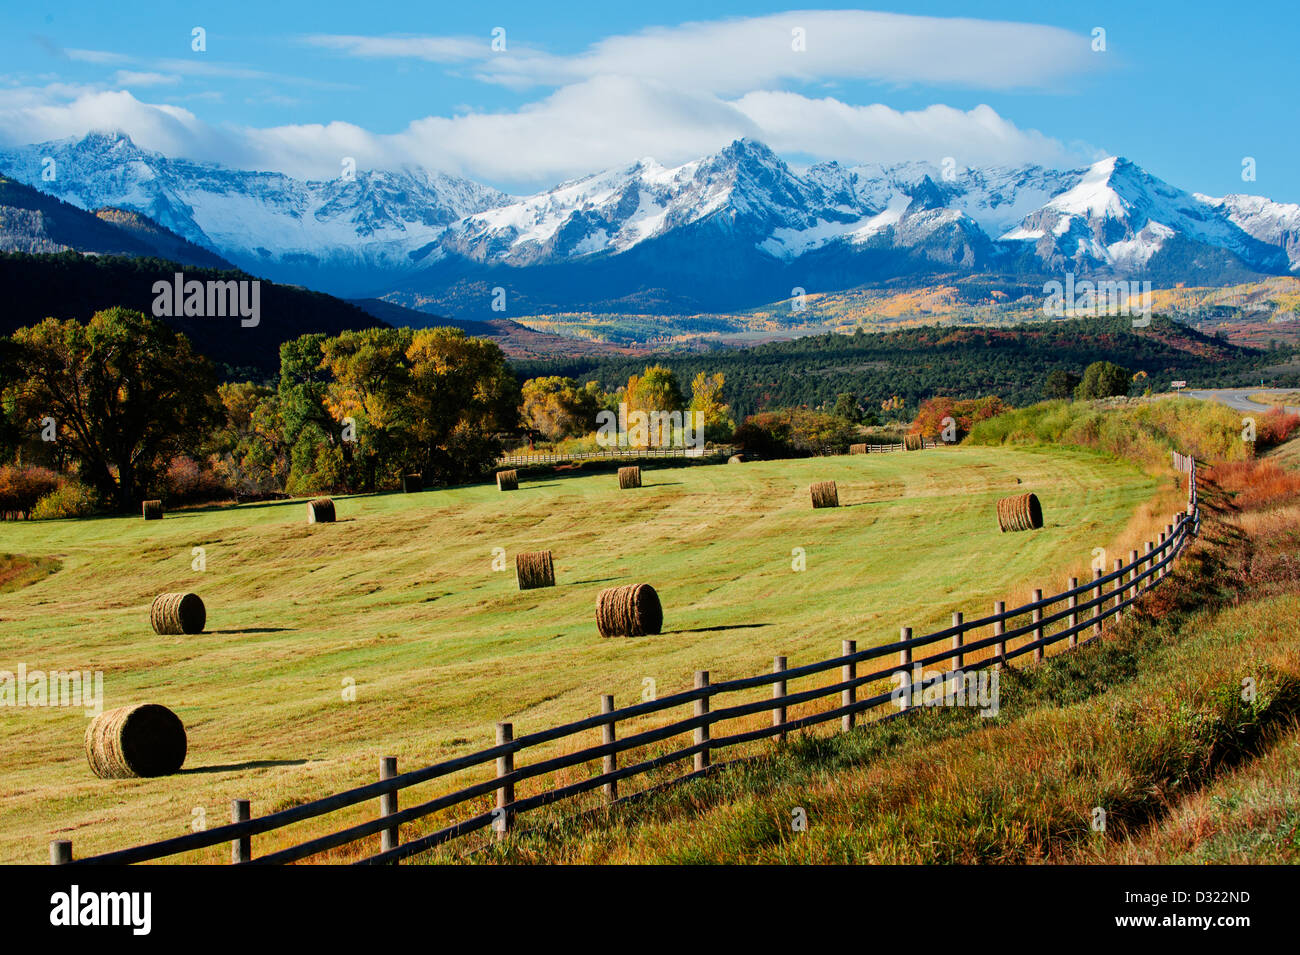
(1188, 90)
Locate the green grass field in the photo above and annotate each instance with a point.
(400, 596)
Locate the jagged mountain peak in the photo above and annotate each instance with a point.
(742, 208)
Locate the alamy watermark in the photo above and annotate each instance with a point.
(37, 688)
(649, 429)
(918, 687)
(1085, 298)
(211, 299)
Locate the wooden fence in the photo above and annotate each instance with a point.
(1076, 615)
(722, 450)
(552, 457)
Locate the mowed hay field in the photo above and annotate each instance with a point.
(399, 597)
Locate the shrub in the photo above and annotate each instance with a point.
(965, 414)
(21, 488)
(1103, 379)
(1275, 426)
(187, 482)
(1144, 432)
(795, 432)
(70, 499)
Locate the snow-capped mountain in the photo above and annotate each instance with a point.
(738, 227)
(1120, 217)
(362, 230)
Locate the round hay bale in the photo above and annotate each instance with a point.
(508, 480)
(736, 459)
(630, 611)
(1020, 513)
(178, 613)
(412, 483)
(534, 569)
(857, 449)
(913, 442)
(629, 477)
(134, 741)
(824, 494)
(152, 510)
(320, 511)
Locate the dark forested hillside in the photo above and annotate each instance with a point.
(918, 363)
(71, 285)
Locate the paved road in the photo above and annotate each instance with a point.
(1238, 398)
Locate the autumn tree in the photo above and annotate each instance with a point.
(462, 397)
(706, 399)
(559, 407)
(126, 393)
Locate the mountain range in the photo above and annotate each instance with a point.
(735, 229)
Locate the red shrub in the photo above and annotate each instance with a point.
(1275, 426)
(21, 488)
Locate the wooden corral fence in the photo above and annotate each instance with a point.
(555, 457)
(719, 450)
(886, 448)
(1076, 615)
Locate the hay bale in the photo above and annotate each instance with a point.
(824, 494)
(1020, 513)
(152, 510)
(736, 459)
(411, 483)
(857, 449)
(507, 480)
(320, 511)
(913, 442)
(630, 611)
(534, 569)
(134, 741)
(178, 613)
(629, 477)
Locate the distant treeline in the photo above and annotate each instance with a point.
(917, 363)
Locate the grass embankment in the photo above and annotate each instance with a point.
(18, 571)
(1143, 431)
(400, 596)
(1135, 725)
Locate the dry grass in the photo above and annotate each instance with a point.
(1150, 725)
(398, 606)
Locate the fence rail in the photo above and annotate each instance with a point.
(1080, 610)
(721, 450)
(553, 457)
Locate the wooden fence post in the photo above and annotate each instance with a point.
(1164, 536)
(1073, 604)
(960, 659)
(1148, 564)
(610, 763)
(999, 648)
(702, 709)
(60, 852)
(1038, 630)
(241, 849)
(1096, 596)
(1119, 588)
(778, 693)
(388, 803)
(1134, 568)
(905, 662)
(506, 792)
(848, 671)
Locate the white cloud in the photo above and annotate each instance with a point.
(578, 129)
(435, 49)
(829, 129)
(734, 56)
(672, 93)
(133, 78)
